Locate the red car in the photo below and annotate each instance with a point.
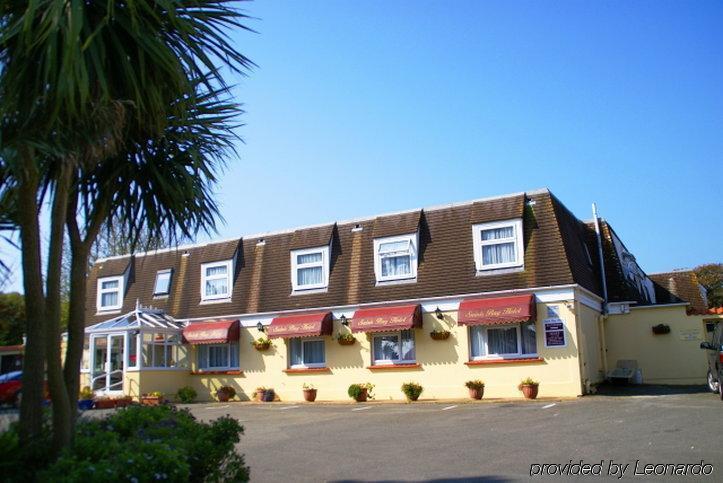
(10, 386)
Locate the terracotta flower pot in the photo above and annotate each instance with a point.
(223, 396)
(260, 395)
(309, 395)
(362, 397)
(151, 400)
(476, 393)
(530, 391)
(269, 395)
(104, 404)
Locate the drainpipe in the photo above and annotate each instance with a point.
(602, 260)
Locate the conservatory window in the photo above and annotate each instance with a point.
(163, 351)
(394, 348)
(498, 244)
(310, 268)
(110, 290)
(216, 280)
(306, 353)
(395, 258)
(218, 356)
(503, 341)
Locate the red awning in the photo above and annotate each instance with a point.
(301, 325)
(384, 319)
(503, 310)
(212, 332)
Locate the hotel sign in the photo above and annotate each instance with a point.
(502, 310)
(554, 330)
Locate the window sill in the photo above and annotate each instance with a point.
(391, 367)
(214, 301)
(308, 291)
(484, 272)
(520, 360)
(397, 281)
(109, 311)
(234, 372)
(307, 370)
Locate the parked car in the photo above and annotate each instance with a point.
(10, 386)
(11, 389)
(714, 351)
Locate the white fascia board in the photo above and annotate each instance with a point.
(562, 293)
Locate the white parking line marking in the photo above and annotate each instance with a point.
(449, 407)
(361, 408)
(549, 406)
(288, 407)
(216, 407)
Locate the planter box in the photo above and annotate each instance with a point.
(152, 400)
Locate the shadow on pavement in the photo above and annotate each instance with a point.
(608, 389)
(461, 479)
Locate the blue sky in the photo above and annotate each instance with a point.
(361, 108)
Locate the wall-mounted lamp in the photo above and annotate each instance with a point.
(344, 320)
(260, 327)
(438, 313)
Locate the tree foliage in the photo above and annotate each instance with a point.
(12, 318)
(710, 276)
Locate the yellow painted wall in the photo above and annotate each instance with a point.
(136, 383)
(442, 372)
(674, 358)
(591, 357)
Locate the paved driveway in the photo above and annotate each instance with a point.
(477, 441)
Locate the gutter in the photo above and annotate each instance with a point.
(602, 260)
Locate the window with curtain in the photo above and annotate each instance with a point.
(218, 356)
(109, 293)
(503, 341)
(216, 280)
(498, 244)
(161, 350)
(310, 268)
(395, 258)
(394, 347)
(306, 352)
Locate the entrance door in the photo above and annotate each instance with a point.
(107, 363)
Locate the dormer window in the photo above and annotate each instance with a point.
(110, 293)
(216, 280)
(395, 258)
(310, 268)
(498, 245)
(162, 286)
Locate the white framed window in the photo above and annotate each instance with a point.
(162, 351)
(393, 348)
(498, 244)
(305, 352)
(110, 293)
(163, 283)
(503, 341)
(216, 280)
(395, 258)
(218, 356)
(310, 268)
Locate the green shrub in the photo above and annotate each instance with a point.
(412, 390)
(475, 384)
(139, 443)
(355, 390)
(186, 394)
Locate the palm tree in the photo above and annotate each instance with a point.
(86, 88)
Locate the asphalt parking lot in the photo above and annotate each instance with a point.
(476, 441)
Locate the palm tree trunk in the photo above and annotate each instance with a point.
(31, 410)
(63, 413)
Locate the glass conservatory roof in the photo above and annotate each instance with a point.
(140, 318)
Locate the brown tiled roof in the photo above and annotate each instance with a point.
(554, 255)
(312, 237)
(677, 286)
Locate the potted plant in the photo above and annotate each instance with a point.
(412, 390)
(476, 388)
(224, 393)
(346, 339)
(360, 392)
(529, 388)
(269, 395)
(154, 398)
(260, 393)
(103, 402)
(309, 392)
(85, 399)
(261, 344)
(440, 334)
(186, 394)
(661, 329)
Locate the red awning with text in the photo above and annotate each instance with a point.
(384, 319)
(212, 332)
(301, 325)
(503, 310)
